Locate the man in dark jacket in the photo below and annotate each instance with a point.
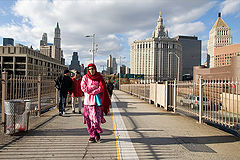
(64, 85)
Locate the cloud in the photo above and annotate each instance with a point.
(204, 51)
(191, 11)
(136, 35)
(230, 7)
(3, 12)
(187, 28)
(110, 20)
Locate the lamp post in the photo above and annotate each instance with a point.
(120, 70)
(178, 64)
(93, 45)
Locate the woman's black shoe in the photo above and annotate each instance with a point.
(98, 138)
(91, 140)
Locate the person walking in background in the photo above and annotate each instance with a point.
(110, 87)
(64, 85)
(94, 87)
(77, 92)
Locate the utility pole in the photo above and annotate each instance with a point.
(93, 45)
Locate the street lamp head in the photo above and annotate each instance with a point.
(88, 36)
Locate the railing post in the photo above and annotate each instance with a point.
(166, 95)
(200, 100)
(56, 100)
(150, 93)
(4, 95)
(155, 95)
(174, 96)
(39, 96)
(144, 90)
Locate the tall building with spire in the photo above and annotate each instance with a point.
(159, 56)
(52, 50)
(219, 35)
(57, 38)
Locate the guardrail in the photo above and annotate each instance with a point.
(215, 101)
(39, 90)
(140, 90)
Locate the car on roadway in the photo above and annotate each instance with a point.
(193, 101)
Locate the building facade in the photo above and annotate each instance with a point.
(191, 53)
(51, 51)
(8, 42)
(159, 56)
(114, 65)
(219, 35)
(110, 65)
(127, 70)
(122, 69)
(21, 60)
(229, 72)
(223, 55)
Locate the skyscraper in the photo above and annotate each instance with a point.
(219, 35)
(43, 41)
(57, 38)
(191, 53)
(8, 42)
(75, 64)
(114, 66)
(110, 65)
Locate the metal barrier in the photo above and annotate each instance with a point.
(39, 90)
(216, 101)
(140, 90)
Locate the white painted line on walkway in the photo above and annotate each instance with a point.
(125, 146)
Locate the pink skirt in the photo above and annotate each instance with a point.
(93, 117)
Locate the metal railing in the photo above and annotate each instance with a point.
(39, 90)
(140, 90)
(215, 101)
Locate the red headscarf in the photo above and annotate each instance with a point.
(106, 102)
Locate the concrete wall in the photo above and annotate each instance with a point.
(219, 73)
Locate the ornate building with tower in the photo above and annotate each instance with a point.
(219, 35)
(159, 56)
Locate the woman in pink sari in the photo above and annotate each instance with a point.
(92, 84)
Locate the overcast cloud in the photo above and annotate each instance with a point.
(113, 22)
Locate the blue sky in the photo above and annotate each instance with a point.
(116, 23)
